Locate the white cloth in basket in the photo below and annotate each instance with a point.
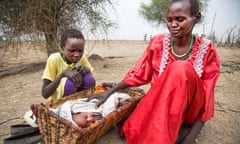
(82, 105)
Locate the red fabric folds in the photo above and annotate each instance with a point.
(181, 90)
(176, 97)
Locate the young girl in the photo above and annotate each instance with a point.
(69, 70)
(182, 69)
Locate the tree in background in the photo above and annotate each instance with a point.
(45, 19)
(155, 11)
(238, 39)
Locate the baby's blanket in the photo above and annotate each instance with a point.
(82, 105)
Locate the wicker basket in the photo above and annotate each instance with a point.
(55, 129)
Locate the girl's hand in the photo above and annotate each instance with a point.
(83, 70)
(74, 75)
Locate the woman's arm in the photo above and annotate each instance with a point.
(102, 97)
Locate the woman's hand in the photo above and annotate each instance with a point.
(74, 75)
(102, 97)
(111, 88)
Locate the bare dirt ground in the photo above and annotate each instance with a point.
(20, 84)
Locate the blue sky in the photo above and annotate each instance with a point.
(131, 26)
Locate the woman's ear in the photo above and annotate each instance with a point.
(198, 17)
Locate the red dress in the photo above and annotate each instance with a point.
(181, 91)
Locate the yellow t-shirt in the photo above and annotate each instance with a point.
(55, 66)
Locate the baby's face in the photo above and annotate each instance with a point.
(83, 119)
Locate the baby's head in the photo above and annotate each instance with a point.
(182, 15)
(85, 119)
(190, 5)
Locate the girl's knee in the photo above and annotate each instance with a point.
(69, 87)
(88, 81)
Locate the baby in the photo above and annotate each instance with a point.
(82, 112)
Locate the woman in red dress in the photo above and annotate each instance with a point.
(182, 69)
